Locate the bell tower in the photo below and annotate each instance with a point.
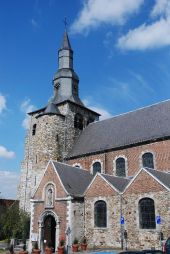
(55, 127)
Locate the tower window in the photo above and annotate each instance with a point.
(147, 160)
(96, 167)
(100, 214)
(120, 167)
(34, 129)
(147, 213)
(78, 121)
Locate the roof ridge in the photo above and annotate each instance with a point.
(132, 111)
(157, 170)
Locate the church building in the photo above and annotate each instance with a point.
(108, 181)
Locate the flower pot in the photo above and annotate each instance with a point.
(48, 250)
(75, 247)
(84, 246)
(60, 249)
(36, 251)
(23, 252)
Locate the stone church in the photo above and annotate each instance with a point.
(106, 180)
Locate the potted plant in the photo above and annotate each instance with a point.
(48, 248)
(24, 250)
(61, 246)
(84, 243)
(35, 249)
(75, 245)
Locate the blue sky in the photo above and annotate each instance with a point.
(121, 54)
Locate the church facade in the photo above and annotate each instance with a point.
(106, 180)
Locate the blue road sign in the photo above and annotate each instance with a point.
(158, 219)
(122, 220)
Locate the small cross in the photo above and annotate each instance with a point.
(65, 23)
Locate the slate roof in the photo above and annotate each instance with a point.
(75, 180)
(164, 177)
(119, 183)
(146, 124)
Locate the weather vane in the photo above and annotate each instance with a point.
(65, 23)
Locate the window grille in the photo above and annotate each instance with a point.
(100, 214)
(147, 213)
(96, 167)
(147, 160)
(120, 167)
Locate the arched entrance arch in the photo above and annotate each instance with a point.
(48, 229)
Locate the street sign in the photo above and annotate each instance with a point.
(158, 219)
(122, 220)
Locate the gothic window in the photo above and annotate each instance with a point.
(34, 129)
(78, 121)
(100, 214)
(96, 167)
(120, 167)
(147, 213)
(147, 160)
(49, 196)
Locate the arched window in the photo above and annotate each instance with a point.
(78, 121)
(147, 213)
(96, 167)
(34, 129)
(100, 214)
(147, 160)
(120, 167)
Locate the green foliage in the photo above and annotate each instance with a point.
(75, 241)
(15, 223)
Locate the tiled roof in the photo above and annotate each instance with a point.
(118, 182)
(142, 125)
(164, 177)
(75, 180)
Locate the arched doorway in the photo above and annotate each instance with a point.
(50, 230)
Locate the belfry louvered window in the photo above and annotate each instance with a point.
(96, 167)
(100, 214)
(78, 121)
(147, 160)
(120, 167)
(147, 213)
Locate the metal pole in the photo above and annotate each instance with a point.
(121, 225)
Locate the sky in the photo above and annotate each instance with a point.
(121, 55)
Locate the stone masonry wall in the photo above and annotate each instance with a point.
(160, 150)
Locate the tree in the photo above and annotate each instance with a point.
(15, 223)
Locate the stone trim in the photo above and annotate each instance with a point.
(126, 164)
(97, 160)
(147, 151)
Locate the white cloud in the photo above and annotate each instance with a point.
(4, 153)
(26, 107)
(145, 37)
(2, 103)
(8, 184)
(161, 8)
(104, 113)
(98, 12)
(153, 35)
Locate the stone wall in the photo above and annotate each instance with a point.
(53, 139)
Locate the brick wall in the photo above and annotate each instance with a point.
(160, 150)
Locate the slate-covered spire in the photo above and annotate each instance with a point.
(66, 80)
(65, 54)
(65, 43)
